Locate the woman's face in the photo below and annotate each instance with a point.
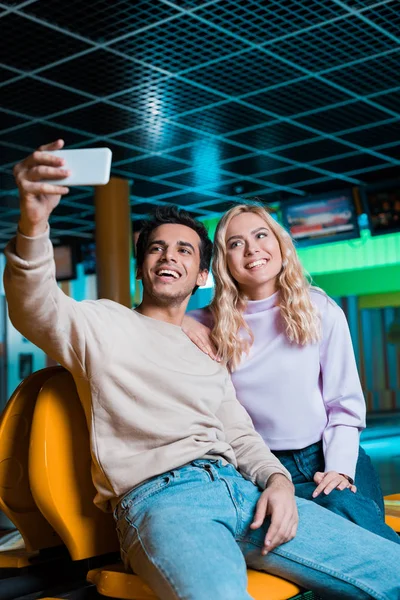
(253, 255)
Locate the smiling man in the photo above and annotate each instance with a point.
(195, 492)
(172, 261)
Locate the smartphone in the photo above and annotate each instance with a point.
(88, 166)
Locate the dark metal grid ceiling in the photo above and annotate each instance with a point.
(202, 100)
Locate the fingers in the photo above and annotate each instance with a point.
(207, 348)
(44, 188)
(331, 481)
(56, 145)
(284, 519)
(44, 172)
(318, 477)
(39, 158)
(283, 528)
(200, 335)
(328, 483)
(40, 165)
(343, 485)
(259, 515)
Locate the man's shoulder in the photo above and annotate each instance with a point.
(104, 306)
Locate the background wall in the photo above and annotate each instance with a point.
(378, 360)
(369, 296)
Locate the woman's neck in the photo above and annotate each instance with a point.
(261, 292)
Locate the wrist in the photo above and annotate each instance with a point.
(279, 479)
(30, 229)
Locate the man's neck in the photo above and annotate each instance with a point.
(169, 314)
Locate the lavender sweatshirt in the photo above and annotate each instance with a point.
(299, 395)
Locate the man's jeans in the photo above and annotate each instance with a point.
(186, 533)
(365, 507)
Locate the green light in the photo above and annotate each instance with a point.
(360, 253)
(368, 265)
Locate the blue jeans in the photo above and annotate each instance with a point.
(364, 508)
(186, 533)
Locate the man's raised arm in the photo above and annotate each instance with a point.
(37, 307)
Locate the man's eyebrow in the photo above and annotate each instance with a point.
(240, 237)
(186, 244)
(179, 243)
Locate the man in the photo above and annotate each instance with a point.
(167, 432)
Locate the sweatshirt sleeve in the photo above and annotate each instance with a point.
(255, 460)
(38, 309)
(203, 316)
(342, 393)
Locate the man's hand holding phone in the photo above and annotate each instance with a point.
(38, 198)
(41, 176)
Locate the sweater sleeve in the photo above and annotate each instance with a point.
(342, 393)
(254, 459)
(203, 316)
(38, 308)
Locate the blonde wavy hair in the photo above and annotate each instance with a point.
(300, 318)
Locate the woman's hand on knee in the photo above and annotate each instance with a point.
(326, 482)
(200, 335)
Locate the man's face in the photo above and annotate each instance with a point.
(171, 266)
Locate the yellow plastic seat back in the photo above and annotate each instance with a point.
(63, 489)
(16, 500)
(60, 471)
(392, 511)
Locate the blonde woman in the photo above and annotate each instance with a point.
(289, 351)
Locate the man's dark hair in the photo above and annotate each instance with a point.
(165, 215)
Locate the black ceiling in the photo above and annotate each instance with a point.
(202, 102)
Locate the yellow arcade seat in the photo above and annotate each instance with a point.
(16, 500)
(59, 470)
(392, 511)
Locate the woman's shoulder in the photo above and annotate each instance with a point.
(324, 303)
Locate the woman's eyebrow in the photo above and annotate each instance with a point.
(239, 236)
(259, 229)
(236, 236)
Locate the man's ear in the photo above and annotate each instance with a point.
(202, 278)
(139, 274)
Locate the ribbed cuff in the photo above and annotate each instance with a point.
(32, 248)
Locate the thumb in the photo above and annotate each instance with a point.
(259, 516)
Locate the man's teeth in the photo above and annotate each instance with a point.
(167, 272)
(257, 263)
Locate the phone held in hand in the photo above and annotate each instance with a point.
(88, 166)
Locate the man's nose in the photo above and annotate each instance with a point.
(169, 255)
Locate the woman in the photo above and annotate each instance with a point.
(290, 354)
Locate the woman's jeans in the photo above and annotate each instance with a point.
(365, 507)
(186, 533)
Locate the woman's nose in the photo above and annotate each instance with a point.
(251, 249)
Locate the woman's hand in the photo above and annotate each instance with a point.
(200, 335)
(326, 482)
